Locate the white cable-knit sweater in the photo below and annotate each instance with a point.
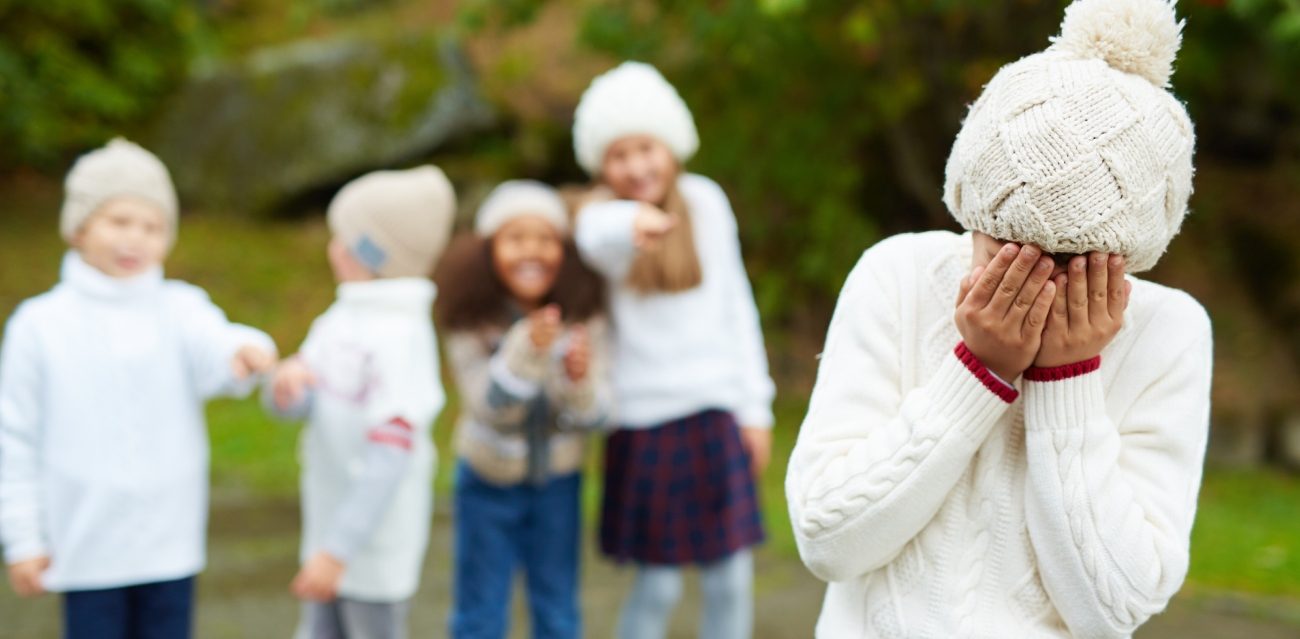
(937, 509)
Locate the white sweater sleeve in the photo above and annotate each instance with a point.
(605, 237)
(874, 463)
(211, 342)
(400, 413)
(757, 384)
(20, 434)
(1110, 504)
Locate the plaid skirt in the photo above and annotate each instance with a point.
(681, 492)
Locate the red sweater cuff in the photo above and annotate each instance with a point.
(1059, 373)
(973, 364)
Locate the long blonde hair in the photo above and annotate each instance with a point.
(674, 265)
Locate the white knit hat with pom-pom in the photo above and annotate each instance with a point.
(1080, 148)
(631, 99)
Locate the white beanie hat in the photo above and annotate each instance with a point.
(1080, 148)
(517, 198)
(118, 169)
(632, 99)
(396, 223)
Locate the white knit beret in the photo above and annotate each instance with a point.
(517, 198)
(1081, 148)
(631, 99)
(117, 169)
(396, 223)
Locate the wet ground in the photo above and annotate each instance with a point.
(253, 553)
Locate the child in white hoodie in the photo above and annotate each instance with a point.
(103, 446)
(367, 379)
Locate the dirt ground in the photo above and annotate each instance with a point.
(252, 558)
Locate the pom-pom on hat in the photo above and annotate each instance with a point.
(517, 198)
(1080, 148)
(396, 223)
(631, 99)
(118, 169)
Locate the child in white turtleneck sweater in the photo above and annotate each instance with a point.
(367, 381)
(103, 447)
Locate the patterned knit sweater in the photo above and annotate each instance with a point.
(937, 508)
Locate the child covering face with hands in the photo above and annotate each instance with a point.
(1007, 429)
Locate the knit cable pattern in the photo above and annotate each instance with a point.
(831, 504)
(1122, 608)
(1072, 155)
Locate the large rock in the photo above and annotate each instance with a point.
(290, 120)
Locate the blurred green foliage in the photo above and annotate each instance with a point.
(830, 122)
(74, 72)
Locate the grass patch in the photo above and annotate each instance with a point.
(1247, 533)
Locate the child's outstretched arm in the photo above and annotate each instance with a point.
(1111, 498)
(874, 463)
(609, 234)
(24, 541)
(225, 358)
(287, 393)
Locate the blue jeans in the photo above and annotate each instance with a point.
(161, 610)
(501, 529)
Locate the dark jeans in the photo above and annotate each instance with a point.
(162, 610)
(500, 530)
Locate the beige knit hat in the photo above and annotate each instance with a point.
(1080, 148)
(397, 223)
(117, 169)
(514, 198)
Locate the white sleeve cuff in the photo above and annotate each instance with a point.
(517, 386)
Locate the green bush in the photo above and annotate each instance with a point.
(830, 122)
(75, 72)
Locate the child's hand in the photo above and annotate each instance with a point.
(290, 383)
(544, 327)
(758, 443)
(319, 578)
(25, 576)
(251, 360)
(650, 225)
(1002, 309)
(1087, 311)
(578, 358)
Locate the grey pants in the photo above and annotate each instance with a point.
(727, 587)
(348, 619)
